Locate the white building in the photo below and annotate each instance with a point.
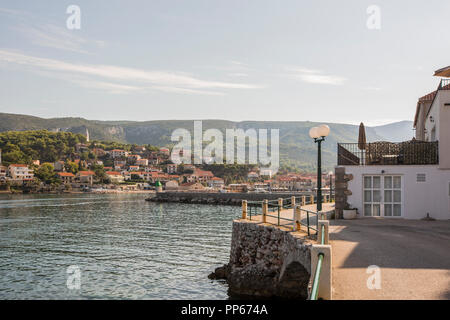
(401, 180)
(115, 153)
(20, 172)
(172, 168)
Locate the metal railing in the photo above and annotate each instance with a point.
(273, 209)
(320, 257)
(388, 153)
(444, 84)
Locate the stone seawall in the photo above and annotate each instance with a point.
(220, 198)
(267, 261)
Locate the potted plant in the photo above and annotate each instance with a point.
(350, 213)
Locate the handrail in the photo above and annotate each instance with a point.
(320, 257)
(275, 206)
(315, 286)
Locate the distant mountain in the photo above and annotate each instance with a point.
(296, 148)
(396, 132)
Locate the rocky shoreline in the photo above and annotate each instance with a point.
(216, 198)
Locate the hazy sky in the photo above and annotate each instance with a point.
(221, 59)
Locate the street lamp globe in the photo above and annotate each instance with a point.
(314, 132)
(323, 130)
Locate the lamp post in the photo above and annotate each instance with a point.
(318, 134)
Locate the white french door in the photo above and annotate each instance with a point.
(382, 196)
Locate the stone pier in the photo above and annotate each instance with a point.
(267, 261)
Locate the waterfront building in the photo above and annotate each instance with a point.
(191, 186)
(3, 172)
(216, 183)
(86, 177)
(66, 177)
(115, 177)
(172, 168)
(20, 172)
(171, 185)
(410, 179)
(200, 176)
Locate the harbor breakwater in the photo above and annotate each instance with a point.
(229, 198)
(267, 261)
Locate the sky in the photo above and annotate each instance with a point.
(290, 60)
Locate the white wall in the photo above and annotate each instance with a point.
(432, 196)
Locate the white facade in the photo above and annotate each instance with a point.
(417, 197)
(409, 191)
(20, 172)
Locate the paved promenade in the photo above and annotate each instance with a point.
(414, 257)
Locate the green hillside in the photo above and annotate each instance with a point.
(296, 148)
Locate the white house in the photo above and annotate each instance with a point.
(408, 179)
(20, 172)
(115, 153)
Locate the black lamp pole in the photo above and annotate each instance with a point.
(319, 173)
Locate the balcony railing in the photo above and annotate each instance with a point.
(444, 84)
(388, 153)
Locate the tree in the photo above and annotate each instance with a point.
(46, 174)
(100, 173)
(71, 167)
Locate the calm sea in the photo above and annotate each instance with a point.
(120, 246)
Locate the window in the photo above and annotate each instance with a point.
(421, 177)
(382, 196)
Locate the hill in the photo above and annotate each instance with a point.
(296, 148)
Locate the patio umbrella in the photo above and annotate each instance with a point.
(362, 137)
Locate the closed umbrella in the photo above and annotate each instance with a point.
(362, 142)
(362, 137)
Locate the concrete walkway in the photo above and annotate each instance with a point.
(413, 256)
(272, 217)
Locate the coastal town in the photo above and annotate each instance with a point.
(142, 170)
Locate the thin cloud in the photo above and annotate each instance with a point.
(238, 74)
(55, 37)
(316, 76)
(44, 34)
(163, 80)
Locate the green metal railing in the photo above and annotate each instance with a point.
(315, 284)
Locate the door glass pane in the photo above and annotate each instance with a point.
(397, 210)
(397, 196)
(388, 210)
(376, 196)
(387, 195)
(367, 182)
(397, 182)
(376, 182)
(388, 182)
(367, 209)
(367, 196)
(376, 210)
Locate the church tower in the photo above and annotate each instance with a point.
(87, 135)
